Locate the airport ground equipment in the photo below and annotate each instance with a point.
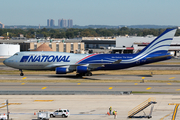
(175, 110)
(3, 117)
(43, 115)
(64, 113)
(141, 107)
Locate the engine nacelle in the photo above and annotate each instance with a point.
(82, 69)
(63, 70)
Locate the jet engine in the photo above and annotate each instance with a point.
(82, 69)
(63, 70)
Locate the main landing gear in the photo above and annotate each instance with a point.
(21, 74)
(84, 74)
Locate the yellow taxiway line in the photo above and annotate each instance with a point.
(110, 88)
(43, 100)
(44, 88)
(24, 78)
(172, 78)
(148, 88)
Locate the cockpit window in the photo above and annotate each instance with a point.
(16, 54)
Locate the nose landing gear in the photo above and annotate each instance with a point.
(21, 74)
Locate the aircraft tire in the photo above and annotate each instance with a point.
(79, 75)
(88, 74)
(21, 74)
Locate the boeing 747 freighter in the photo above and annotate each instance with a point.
(83, 64)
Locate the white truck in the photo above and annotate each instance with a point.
(43, 115)
(60, 113)
(3, 117)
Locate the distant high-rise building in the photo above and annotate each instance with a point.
(59, 23)
(62, 23)
(50, 22)
(1, 25)
(70, 23)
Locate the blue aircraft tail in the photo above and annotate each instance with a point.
(157, 48)
(159, 45)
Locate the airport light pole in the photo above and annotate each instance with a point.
(7, 110)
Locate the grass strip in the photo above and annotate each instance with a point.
(146, 92)
(88, 81)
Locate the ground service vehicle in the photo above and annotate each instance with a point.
(43, 115)
(3, 117)
(60, 113)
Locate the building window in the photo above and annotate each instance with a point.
(87, 45)
(79, 46)
(35, 46)
(97, 45)
(57, 47)
(94, 46)
(64, 47)
(72, 47)
(50, 45)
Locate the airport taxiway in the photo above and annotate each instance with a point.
(134, 87)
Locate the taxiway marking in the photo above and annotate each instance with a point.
(44, 88)
(172, 78)
(110, 88)
(24, 77)
(22, 83)
(168, 115)
(4, 104)
(169, 83)
(148, 88)
(43, 100)
(12, 103)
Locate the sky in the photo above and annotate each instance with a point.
(91, 12)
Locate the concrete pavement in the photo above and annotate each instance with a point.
(88, 107)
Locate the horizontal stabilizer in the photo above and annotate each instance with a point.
(159, 57)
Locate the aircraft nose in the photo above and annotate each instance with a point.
(5, 61)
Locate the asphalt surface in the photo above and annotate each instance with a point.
(91, 87)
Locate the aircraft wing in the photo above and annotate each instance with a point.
(90, 65)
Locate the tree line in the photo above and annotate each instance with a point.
(75, 32)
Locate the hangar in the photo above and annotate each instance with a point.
(134, 44)
(7, 50)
